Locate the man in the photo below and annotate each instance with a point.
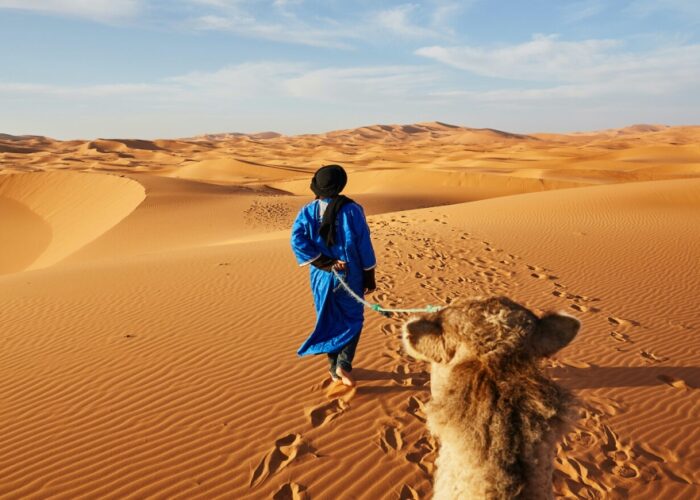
(331, 233)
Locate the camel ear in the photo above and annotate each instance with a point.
(554, 332)
(423, 339)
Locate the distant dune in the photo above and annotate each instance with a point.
(152, 308)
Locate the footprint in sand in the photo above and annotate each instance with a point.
(416, 407)
(393, 354)
(651, 356)
(582, 308)
(618, 455)
(390, 439)
(407, 378)
(284, 452)
(389, 329)
(563, 294)
(291, 491)
(674, 382)
(423, 454)
(408, 493)
(622, 323)
(621, 337)
(542, 276)
(321, 415)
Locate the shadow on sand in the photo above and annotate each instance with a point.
(678, 377)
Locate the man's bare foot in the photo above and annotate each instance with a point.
(345, 377)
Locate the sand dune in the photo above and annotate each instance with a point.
(52, 214)
(152, 308)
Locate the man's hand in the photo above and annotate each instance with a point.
(324, 263)
(329, 264)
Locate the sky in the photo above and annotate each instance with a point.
(155, 68)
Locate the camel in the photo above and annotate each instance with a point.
(496, 415)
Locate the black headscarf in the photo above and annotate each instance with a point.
(328, 182)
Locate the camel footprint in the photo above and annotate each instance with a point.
(285, 451)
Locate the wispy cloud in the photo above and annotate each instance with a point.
(583, 9)
(97, 10)
(236, 82)
(246, 25)
(445, 11)
(399, 21)
(363, 83)
(263, 80)
(688, 9)
(412, 20)
(543, 57)
(274, 20)
(573, 70)
(285, 21)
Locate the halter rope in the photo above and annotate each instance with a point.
(384, 311)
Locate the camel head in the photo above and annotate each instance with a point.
(493, 331)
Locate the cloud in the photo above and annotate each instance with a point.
(398, 21)
(445, 11)
(146, 90)
(236, 82)
(97, 10)
(544, 57)
(270, 20)
(688, 9)
(249, 26)
(592, 69)
(583, 9)
(438, 14)
(362, 83)
(262, 81)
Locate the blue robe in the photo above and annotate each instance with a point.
(339, 317)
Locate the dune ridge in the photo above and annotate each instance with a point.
(67, 211)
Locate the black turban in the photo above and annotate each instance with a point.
(328, 182)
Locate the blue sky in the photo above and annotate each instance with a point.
(156, 68)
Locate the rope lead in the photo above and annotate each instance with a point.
(376, 307)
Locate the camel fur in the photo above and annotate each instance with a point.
(496, 415)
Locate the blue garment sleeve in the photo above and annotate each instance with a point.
(305, 250)
(363, 240)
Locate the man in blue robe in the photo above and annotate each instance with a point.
(331, 233)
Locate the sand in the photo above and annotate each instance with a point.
(152, 307)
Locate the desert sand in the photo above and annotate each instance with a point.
(152, 307)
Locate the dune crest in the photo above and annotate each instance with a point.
(49, 215)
